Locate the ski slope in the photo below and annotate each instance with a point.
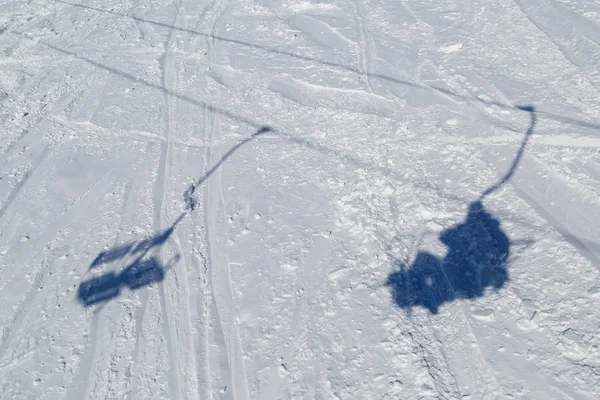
(299, 199)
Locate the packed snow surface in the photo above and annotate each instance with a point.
(267, 199)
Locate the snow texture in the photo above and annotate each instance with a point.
(299, 199)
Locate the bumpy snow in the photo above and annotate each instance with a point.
(267, 199)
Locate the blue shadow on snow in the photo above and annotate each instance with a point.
(109, 285)
(477, 257)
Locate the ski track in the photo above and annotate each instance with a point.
(82, 202)
(201, 261)
(218, 259)
(127, 213)
(554, 20)
(365, 45)
(169, 299)
(209, 302)
(92, 357)
(313, 70)
(21, 183)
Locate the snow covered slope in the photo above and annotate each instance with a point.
(261, 199)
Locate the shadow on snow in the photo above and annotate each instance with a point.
(298, 56)
(109, 285)
(476, 259)
(477, 256)
(144, 270)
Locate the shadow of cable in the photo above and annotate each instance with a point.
(315, 60)
(247, 121)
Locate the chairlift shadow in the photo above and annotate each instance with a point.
(145, 270)
(108, 286)
(477, 257)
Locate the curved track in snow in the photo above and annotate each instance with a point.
(299, 199)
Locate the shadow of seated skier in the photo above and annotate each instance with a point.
(477, 256)
(140, 273)
(476, 259)
(143, 271)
